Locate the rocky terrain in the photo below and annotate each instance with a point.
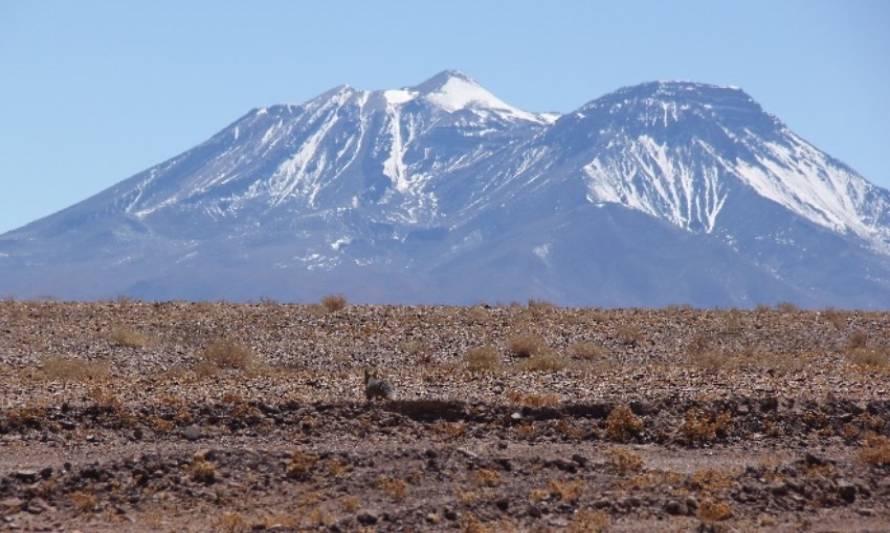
(139, 416)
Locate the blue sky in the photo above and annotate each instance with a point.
(93, 92)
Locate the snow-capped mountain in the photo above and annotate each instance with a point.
(665, 192)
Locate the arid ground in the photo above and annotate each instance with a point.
(135, 416)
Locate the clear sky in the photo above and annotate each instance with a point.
(93, 92)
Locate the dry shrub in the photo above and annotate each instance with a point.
(787, 307)
(202, 471)
(128, 337)
(334, 302)
(84, 502)
(472, 525)
(483, 359)
(525, 345)
(708, 361)
(71, 369)
(451, 430)
(835, 318)
(586, 350)
(545, 361)
(228, 354)
(395, 488)
(526, 430)
(630, 335)
(336, 467)
(350, 504)
(485, 477)
(567, 491)
(868, 358)
(732, 324)
(714, 511)
(857, 339)
(25, 417)
(569, 430)
(301, 465)
(622, 424)
(538, 305)
(478, 314)
(233, 522)
(710, 480)
(876, 451)
(104, 399)
(625, 461)
(533, 400)
(699, 427)
(589, 521)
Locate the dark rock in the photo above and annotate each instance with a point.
(846, 490)
(505, 464)
(779, 488)
(691, 503)
(451, 514)
(47, 472)
(27, 475)
(813, 460)
(503, 504)
(676, 508)
(533, 511)
(580, 459)
(770, 403)
(367, 518)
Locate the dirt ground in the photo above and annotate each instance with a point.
(177, 416)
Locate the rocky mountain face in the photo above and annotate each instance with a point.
(665, 192)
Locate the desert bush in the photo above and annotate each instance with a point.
(533, 400)
(835, 318)
(714, 511)
(589, 521)
(451, 430)
(869, 358)
(71, 369)
(482, 359)
(732, 323)
(334, 302)
(395, 488)
(622, 424)
(699, 427)
(567, 491)
(228, 354)
(545, 361)
(485, 477)
(127, 337)
(625, 461)
(787, 307)
(539, 305)
(586, 350)
(202, 471)
(525, 345)
(857, 339)
(630, 335)
(710, 480)
(876, 451)
(710, 361)
(84, 502)
(301, 465)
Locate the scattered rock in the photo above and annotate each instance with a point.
(367, 518)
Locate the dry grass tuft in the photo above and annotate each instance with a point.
(233, 522)
(586, 351)
(710, 480)
(483, 359)
(787, 307)
(484, 477)
(228, 354)
(301, 465)
(589, 521)
(545, 361)
(714, 511)
(71, 369)
(567, 491)
(869, 358)
(857, 339)
(630, 335)
(876, 451)
(202, 471)
(625, 461)
(533, 400)
(126, 336)
(334, 303)
(622, 424)
(835, 318)
(699, 427)
(451, 430)
(525, 345)
(395, 488)
(84, 502)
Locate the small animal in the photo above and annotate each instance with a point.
(376, 387)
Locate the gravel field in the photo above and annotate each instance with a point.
(176, 416)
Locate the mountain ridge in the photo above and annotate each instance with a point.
(409, 183)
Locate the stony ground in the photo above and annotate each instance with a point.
(196, 416)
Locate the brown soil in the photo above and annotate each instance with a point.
(195, 416)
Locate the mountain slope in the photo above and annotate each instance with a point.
(665, 192)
